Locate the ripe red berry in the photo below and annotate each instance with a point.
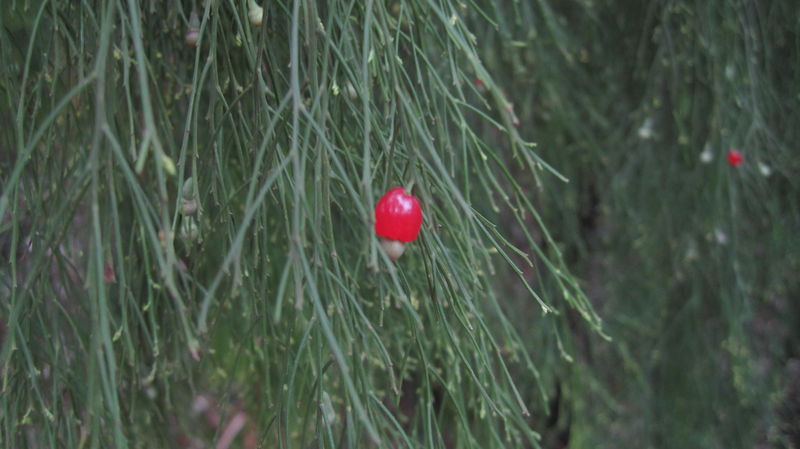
(398, 216)
(735, 157)
(398, 219)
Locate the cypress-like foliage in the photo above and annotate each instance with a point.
(188, 244)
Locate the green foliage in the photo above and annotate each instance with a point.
(692, 263)
(272, 297)
(253, 306)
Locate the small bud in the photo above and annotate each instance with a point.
(189, 231)
(193, 32)
(192, 36)
(188, 188)
(646, 130)
(729, 72)
(168, 165)
(765, 169)
(706, 155)
(720, 236)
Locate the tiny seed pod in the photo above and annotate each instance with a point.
(187, 191)
(192, 35)
(168, 165)
(193, 31)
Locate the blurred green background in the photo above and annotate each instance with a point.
(691, 262)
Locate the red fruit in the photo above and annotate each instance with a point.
(735, 157)
(398, 216)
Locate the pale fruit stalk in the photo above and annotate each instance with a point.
(255, 13)
(393, 248)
